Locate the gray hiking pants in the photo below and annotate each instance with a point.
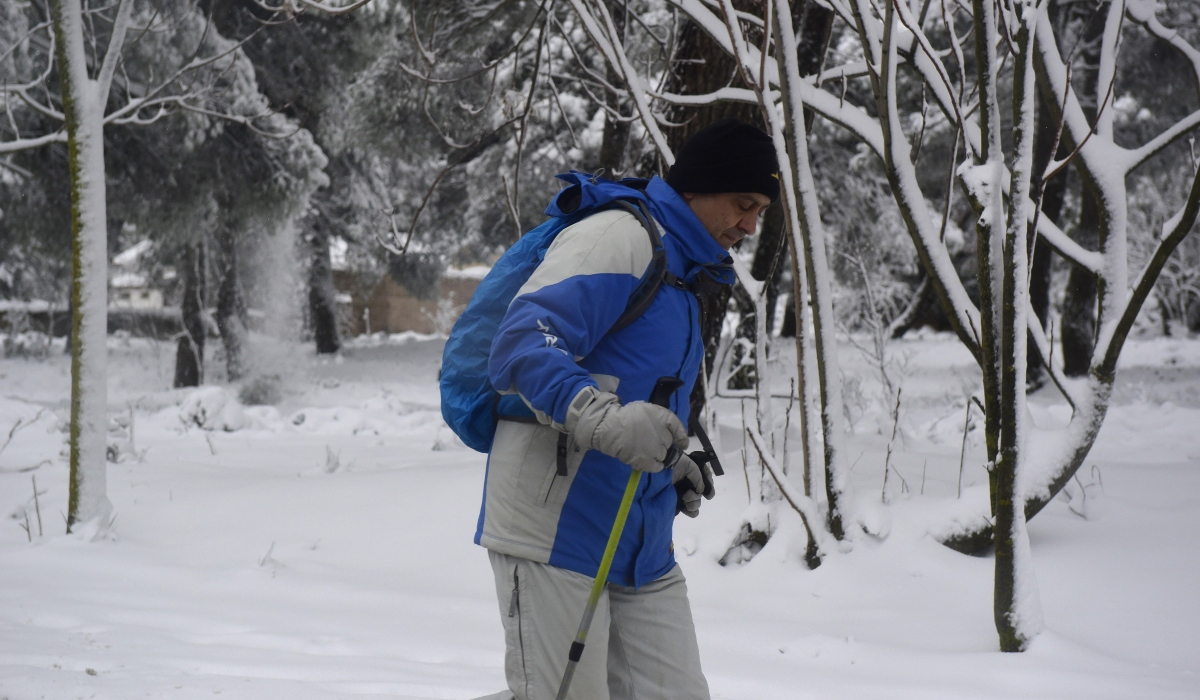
(641, 645)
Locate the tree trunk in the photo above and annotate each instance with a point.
(816, 29)
(83, 109)
(700, 66)
(616, 134)
(322, 300)
(231, 306)
(1078, 330)
(770, 258)
(189, 352)
(808, 244)
(69, 345)
(1015, 609)
(616, 131)
(1090, 396)
(812, 39)
(1040, 268)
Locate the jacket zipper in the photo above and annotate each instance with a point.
(687, 347)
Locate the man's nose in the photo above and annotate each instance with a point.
(748, 224)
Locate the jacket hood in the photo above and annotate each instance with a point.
(583, 193)
(696, 243)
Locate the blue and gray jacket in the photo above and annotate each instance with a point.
(553, 342)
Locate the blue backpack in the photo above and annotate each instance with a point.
(470, 405)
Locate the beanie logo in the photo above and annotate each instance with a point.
(775, 175)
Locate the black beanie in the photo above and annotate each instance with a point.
(728, 156)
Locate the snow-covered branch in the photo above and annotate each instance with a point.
(159, 96)
(36, 142)
(295, 7)
(1063, 245)
(431, 58)
(727, 94)
(179, 89)
(1142, 12)
(43, 109)
(1098, 155)
(116, 43)
(857, 69)
(827, 105)
(803, 505)
(1108, 346)
(752, 286)
(604, 38)
(1131, 159)
(942, 88)
(902, 175)
(1107, 75)
(1046, 348)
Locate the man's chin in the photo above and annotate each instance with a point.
(728, 242)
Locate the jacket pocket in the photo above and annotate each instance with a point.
(556, 485)
(538, 468)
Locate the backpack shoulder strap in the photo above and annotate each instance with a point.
(644, 295)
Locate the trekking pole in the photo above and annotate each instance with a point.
(661, 396)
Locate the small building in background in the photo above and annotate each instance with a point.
(128, 285)
(390, 308)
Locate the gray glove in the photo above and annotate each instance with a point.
(638, 433)
(691, 482)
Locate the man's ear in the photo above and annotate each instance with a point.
(687, 196)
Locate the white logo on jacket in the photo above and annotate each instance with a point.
(551, 340)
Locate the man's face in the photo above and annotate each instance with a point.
(729, 216)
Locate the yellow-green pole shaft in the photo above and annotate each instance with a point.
(610, 550)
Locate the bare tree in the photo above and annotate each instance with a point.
(97, 88)
(1022, 481)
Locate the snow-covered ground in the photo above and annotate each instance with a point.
(321, 548)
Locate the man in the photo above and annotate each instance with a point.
(547, 516)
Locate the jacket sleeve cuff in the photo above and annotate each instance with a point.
(586, 411)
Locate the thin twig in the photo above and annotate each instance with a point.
(1060, 165)
(37, 506)
(745, 452)
(887, 463)
(962, 456)
(787, 421)
(21, 424)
